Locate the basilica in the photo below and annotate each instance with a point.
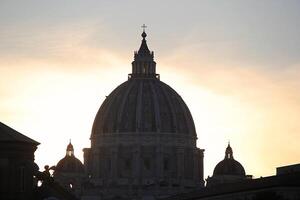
(143, 147)
(143, 140)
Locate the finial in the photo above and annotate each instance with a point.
(144, 27)
(228, 152)
(144, 33)
(70, 149)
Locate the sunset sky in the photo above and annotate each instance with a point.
(235, 63)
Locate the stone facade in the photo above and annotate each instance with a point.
(17, 166)
(148, 164)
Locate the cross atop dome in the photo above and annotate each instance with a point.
(144, 34)
(144, 27)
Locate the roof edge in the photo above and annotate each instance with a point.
(11, 135)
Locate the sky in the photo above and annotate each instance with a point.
(235, 63)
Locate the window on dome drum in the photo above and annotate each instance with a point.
(127, 164)
(166, 164)
(39, 183)
(147, 163)
(108, 164)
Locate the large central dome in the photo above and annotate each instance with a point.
(143, 140)
(143, 103)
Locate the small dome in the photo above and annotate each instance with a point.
(69, 164)
(229, 166)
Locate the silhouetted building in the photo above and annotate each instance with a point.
(143, 141)
(143, 146)
(227, 171)
(17, 165)
(282, 186)
(290, 169)
(19, 175)
(69, 172)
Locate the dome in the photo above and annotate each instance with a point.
(229, 166)
(143, 137)
(69, 164)
(143, 103)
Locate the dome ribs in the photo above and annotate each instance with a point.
(101, 115)
(109, 124)
(121, 123)
(147, 115)
(144, 105)
(169, 105)
(183, 111)
(156, 107)
(139, 107)
(189, 118)
(180, 121)
(98, 128)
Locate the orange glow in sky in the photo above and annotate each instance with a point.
(240, 79)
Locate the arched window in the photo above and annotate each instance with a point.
(127, 164)
(147, 164)
(108, 164)
(166, 164)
